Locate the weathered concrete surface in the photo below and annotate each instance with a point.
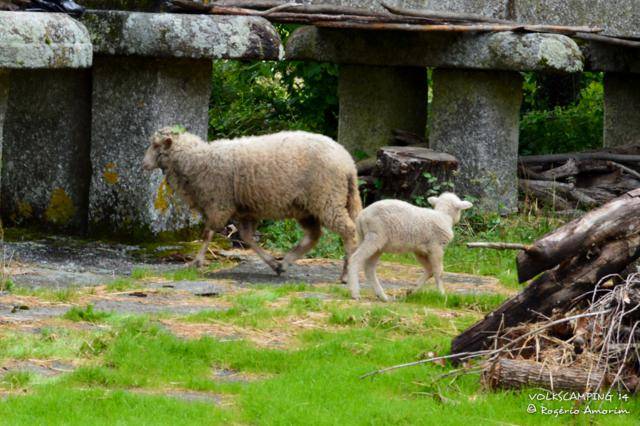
(4, 97)
(475, 117)
(46, 169)
(132, 98)
(502, 51)
(43, 40)
(376, 100)
(621, 109)
(164, 35)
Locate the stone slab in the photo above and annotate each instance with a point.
(475, 117)
(621, 109)
(133, 98)
(43, 40)
(500, 51)
(376, 100)
(166, 35)
(46, 169)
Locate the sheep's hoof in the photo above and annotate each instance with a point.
(279, 269)
(383, 297)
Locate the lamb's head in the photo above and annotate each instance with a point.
(450, 204)
(161, 143)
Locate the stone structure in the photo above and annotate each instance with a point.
(475, 112)
(151, 71)
(370, 109)
(45, 144)
(621, 109)
(475, 115)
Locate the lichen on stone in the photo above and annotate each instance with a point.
(110, 174)
(60, 209)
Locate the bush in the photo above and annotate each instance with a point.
(575, 127)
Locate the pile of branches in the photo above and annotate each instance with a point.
(392, 18)
(580, 180)
(587, 349)
(594, 347)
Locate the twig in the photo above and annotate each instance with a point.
(500, 246)
(626, 169)
(607, 39)
(548, 158)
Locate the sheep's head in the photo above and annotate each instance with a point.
(160, 143)
(449, 203)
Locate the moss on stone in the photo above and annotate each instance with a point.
(110, 174)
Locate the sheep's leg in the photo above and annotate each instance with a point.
(428, 270)
(343, 225)
(369, 247)
(372, 278)
(199, 261)
(312, 233)
(247, 230)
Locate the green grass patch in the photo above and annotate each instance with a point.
(86, 314)
(478, 302)
(16, 379)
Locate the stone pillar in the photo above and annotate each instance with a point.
(45, 178)
(475, 117)
(4, 96)
(375, 100)
(132, 98)
(621, 109)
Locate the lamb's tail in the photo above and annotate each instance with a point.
(354, 204)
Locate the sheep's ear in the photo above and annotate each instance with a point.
(464, 205)
(432, 201)
(166, 142)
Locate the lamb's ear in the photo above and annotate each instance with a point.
(166, 142)
(464, 205)
(432, 201)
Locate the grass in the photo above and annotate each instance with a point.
(315, 384)
(127, 364)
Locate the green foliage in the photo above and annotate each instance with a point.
(16, 379)
(285, 234)
(87, 314)
(264, 97)
(549, 129)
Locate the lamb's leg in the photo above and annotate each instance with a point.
(199, 261)
(343, 225)
(428, 270)
(372, 278)
(247, 229)
(312, 233)
(436, 257)
(369, 247)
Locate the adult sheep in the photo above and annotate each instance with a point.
(298, 175)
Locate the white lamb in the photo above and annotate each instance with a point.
(399, 227)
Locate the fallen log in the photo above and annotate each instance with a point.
(555, 158)
(519, 373)
(615, 220)
(556, 290)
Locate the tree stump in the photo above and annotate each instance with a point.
(413, 173)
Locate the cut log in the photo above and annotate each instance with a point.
(520, 373)
(556, 290)
(617, 219)
(408, 172)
